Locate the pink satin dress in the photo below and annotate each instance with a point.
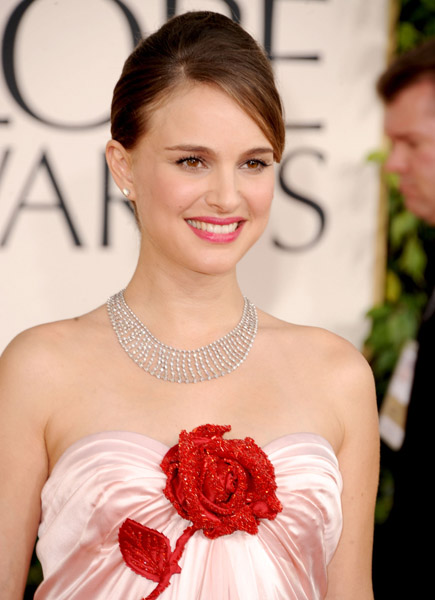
(105, 478)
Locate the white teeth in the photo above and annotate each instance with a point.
(213, 227)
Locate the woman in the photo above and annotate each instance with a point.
(93, 407)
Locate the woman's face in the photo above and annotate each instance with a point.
(202, 180)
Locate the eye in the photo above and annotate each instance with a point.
(190, 162)
(255, 164)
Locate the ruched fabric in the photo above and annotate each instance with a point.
(105, 478)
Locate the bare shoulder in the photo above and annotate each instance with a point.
(328, 361)
(49, 338)
(39, 358)
(36, 371)
(337, 356)
(328, 350)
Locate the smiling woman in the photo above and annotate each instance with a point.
(124, 505)
(191, 175)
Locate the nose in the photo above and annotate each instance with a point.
(223, 194)
(397, 161)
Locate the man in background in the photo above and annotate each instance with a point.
(403, 552)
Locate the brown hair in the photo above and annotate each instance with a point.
(203, 47)
(409, 68)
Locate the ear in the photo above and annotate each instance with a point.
(119, 162)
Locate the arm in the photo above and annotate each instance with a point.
(23, 459)
(349, 572)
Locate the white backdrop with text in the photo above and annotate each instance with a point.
(67, 238)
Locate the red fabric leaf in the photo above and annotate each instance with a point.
(146, 551)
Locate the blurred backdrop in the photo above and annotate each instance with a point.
(68, 240)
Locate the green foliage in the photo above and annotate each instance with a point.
(34, 578)
(385, 497)
(397, 318)
(35, 572)
(416, 23)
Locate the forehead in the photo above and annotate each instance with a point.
(413, 109)
(201, 111)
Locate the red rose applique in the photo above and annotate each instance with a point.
(219, 485)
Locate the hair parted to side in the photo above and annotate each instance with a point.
(197, 47)
(407, 69)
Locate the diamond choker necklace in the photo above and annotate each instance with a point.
(182, 366)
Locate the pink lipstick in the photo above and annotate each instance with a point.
(216, 230)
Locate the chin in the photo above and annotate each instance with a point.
(213, 269)
(219, 263)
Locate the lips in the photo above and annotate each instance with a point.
(216, 230)
(213, 227)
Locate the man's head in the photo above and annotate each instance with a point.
(408, 89)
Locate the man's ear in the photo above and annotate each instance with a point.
(119, 163)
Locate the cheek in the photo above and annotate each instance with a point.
(424, 159)
(176, 193)
(162, 195)
(424, 170)
(261, 198)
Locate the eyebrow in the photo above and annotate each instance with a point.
(205, 150)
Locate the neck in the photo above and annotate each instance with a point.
(184, 308)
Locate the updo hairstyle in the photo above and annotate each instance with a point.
(196, 47)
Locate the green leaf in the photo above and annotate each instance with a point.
(385, 495)
(429, 5)
(377, 156)
(392, 180)
(413, 259)
(380, 311)
(407, 36)
(379, 338)
(401, 326)
(384, 364)
(393, 287)
(414, 303)
(402, 224)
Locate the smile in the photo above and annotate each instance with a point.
(213, 227)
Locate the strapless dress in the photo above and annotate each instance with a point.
(106, 478)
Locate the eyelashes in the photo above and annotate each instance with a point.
(190, 162)
(194, 163)
(256, 164)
